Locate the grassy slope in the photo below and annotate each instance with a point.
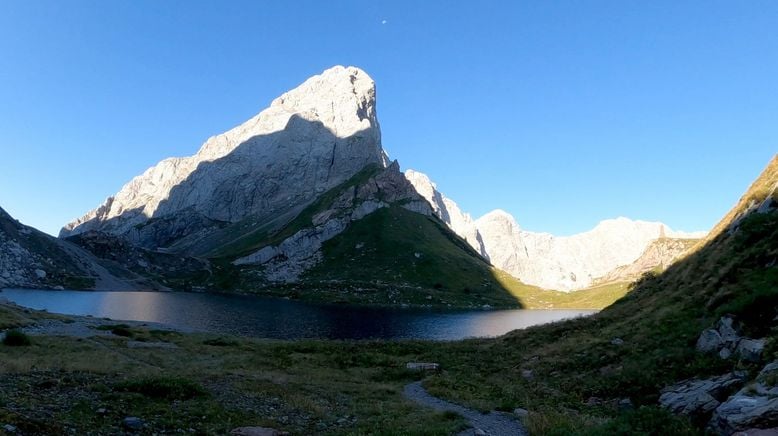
(385, 269)
(595, 297)
(405, 250)
(245, 238)
(659, 322)
(212, 384)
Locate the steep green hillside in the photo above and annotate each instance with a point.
(392, 256)
(578, 371)
(251, 234)
(410, 254)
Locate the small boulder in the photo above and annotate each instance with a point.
(617, 342)
(41, 274)
(133, 423)
(755, 406)
(422, 366)
(728, 331)
(709, 341)
(750, 350)
(9, 428)
(521, 413)
(528, 374)
(770, 368)
(744, 411)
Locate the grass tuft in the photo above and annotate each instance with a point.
(167, 388)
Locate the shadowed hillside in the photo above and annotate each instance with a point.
(573, 375)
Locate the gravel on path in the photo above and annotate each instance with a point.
(493, 423)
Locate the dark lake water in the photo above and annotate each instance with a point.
(283, 319)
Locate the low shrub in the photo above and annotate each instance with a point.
(16, 338)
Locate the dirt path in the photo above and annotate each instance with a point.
(493, 424)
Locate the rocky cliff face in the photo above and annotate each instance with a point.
(288, 259)
(447, 210)
(309, 140)
(552, 262)
(659, 255)
(32, 259)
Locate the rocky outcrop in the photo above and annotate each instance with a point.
(308, 141)
(615, 250)
(22, 265)
(725, 341)
(753, 407)
(32, 259)
(711, 402)
(447, 210)
(698, 398)
(286, 261)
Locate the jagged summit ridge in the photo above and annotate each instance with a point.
(309, 140)
(568, 262)
(446, 209)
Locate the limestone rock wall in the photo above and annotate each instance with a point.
(309, 140)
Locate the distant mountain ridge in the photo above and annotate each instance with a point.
(32, 259)
(563, 263)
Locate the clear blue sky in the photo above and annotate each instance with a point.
(563, 113)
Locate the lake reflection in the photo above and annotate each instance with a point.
(282, 319)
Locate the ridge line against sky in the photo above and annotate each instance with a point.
(562, 114)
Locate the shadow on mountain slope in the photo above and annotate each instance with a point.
(226, 191)
(222, 212)
(573, 374)
(411, 259)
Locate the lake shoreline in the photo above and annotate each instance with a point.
(269, 318)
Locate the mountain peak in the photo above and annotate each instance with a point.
(499, 215)
(341, 98)
(309, 140)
